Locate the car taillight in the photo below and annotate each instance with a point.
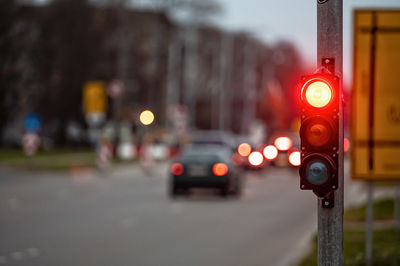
(256, 158)
(177, 169)
(294, 158)
(283, 143)
(270, 152)
(244, 149)
(220, 169)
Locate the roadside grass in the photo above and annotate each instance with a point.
(383, 210)
(386, 241)
(59, 159)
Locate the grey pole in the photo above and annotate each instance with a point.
(215, 89)
(397, 206)
(190, 74)
(228, 69)
(369, 224)
(172, 76)
(330, 220)
(249, 86)
(224, 53)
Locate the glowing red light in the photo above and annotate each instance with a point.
(244, 149)
(256, 158)
(220, 169)
(317, 92)
(177, 169)
(270, 152)
(283, 143)
(346, 144)
(294, 158)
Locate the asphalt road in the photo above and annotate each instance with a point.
(126, 218)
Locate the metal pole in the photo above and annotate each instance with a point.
(190, 78)
(172, 77)
(222, 80)
(228, 92)
(214, 89)
(397, 206)
(330, 220)
(249, 86)
(369, 224)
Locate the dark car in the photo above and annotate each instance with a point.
(205, 166)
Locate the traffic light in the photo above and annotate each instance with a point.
(319, 133)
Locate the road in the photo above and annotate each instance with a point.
(126, 218)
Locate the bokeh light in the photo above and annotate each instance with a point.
(270, 152)
(146, 117)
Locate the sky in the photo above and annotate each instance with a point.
(293, 20)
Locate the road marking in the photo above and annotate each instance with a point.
(33, 252)
(17, 255)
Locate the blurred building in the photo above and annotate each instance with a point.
(50, 52)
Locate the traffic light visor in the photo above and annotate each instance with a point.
(317, 93)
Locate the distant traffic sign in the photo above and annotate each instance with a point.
(94, 97)
(32, 122)
(376, 95)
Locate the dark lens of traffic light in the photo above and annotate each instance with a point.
(318, 134)
(317, 171)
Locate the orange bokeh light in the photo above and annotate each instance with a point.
(244, 149)
(283, 143)
(220, 169)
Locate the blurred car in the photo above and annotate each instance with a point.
(287, 151)
(213, 137)
(205, 166)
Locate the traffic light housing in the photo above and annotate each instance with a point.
(319, 133)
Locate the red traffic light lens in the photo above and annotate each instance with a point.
(317, 92)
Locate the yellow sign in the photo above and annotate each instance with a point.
(376, 95)
(94, 97)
